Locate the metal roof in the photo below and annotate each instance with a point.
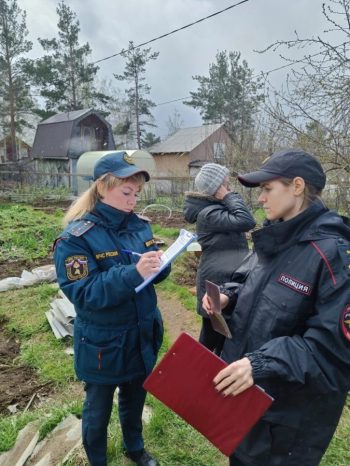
(185, 139)
(66, 116)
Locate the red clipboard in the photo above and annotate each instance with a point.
(183, 381)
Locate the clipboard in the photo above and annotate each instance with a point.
(183, 381)
(183, 240)
(217, 320)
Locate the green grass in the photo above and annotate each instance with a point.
(338, 453)
(27, 322)
(27, 233)
(165, 233)
(259, 215)
(181, 292)
(10, 426)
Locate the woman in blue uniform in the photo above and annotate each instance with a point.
(291, 323)
(105, 252)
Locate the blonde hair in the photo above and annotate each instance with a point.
(87, 201)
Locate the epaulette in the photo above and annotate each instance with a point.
(80, 227)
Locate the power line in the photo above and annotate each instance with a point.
(175, 30)
(175, 100)
(264, 73)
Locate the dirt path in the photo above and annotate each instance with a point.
(177, 318)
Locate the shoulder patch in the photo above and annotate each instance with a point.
(76, 267)
(80, 227)
(345, 322)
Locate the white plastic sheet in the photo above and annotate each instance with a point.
(45, 273)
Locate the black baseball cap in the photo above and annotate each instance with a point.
(287, 163)
(119, 164)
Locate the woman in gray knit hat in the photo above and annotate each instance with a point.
(221, 218)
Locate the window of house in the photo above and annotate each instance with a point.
(219, 151)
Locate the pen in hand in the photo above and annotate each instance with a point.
(133, 253)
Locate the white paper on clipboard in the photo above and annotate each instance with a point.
(183, 240)
(217, 320)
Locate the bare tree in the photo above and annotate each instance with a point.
(174, 122)
(313, 108)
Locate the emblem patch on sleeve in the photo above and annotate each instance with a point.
(345, 322)
(76, 267)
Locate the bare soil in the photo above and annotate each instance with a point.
(15, 268)
(175, 220)
(176, 318)
(19, 384)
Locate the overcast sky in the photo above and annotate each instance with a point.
(109, 25)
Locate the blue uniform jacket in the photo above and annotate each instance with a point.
(117, 333)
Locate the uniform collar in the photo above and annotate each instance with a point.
(278, 236)
(109, 216)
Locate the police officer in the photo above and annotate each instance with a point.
(291, 323)
(105, 252)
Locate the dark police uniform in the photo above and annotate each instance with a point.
(292, 320)
(117, 333)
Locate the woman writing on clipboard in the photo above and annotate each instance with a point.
(104, 253)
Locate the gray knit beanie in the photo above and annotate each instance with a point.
(210, 178)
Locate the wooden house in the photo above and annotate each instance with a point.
(23, 150)
(183, 153)
(190, 148)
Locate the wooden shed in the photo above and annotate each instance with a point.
(61, 139)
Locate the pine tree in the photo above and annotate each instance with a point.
(64, 77)
(15, 100)
(149, 139)
(134, 73)
(228, 95)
